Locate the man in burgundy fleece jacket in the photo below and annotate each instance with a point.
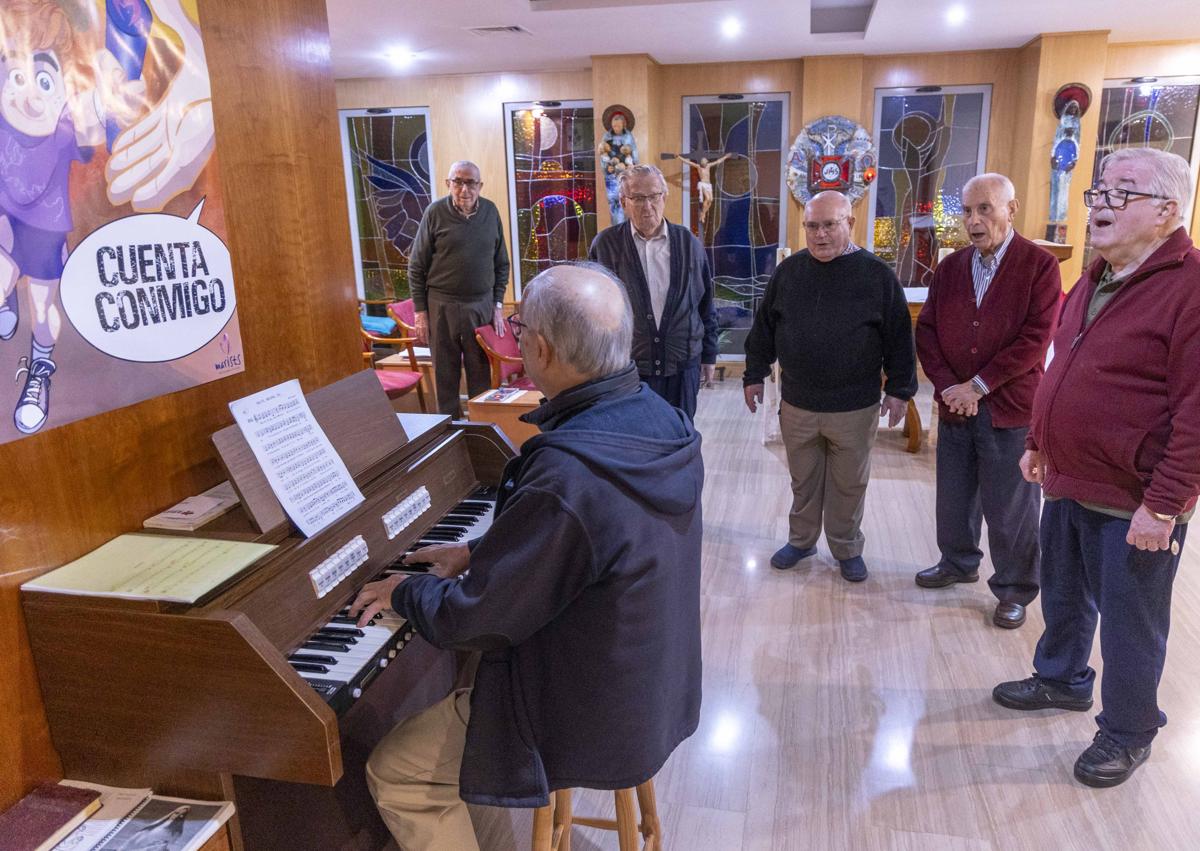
(1115, 444)
(982, 337)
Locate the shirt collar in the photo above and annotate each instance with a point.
(998, 254)
(554, 412)
(661, 233)
(850, 248)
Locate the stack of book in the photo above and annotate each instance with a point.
(195, 511)
(78, 816)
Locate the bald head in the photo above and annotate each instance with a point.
(828, 203)
(582, 311)
(999, 187)
(827, 224)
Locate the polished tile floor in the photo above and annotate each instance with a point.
(842, 716)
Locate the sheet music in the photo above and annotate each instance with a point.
(307, 475)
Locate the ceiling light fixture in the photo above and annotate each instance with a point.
(401, 57)
(956, 15)
(731, 27)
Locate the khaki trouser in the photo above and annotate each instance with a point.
(452, 344)
(829, 458)
(413, 777)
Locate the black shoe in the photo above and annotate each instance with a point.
(1008, 615)
(1107, 763)
(1036, 693)
(853, 569)
(787, 556)
(939, 577)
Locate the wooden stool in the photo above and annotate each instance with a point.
(552, 823)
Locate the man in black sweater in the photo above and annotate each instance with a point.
(835, 317)
(458, 271)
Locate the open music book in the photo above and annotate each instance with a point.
(134, 818)
(152, 567)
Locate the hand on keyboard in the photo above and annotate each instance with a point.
(447, 560)
(374, 598)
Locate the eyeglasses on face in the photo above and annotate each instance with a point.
(466, 184)
(517, 326)
(1116, 199)
(817, 227)
(652, 198)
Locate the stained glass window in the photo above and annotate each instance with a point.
(930, 144)
(552, 185)
(744, 225)
(1161, 115)
(388, 167)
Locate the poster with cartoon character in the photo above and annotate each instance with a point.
(116, 284)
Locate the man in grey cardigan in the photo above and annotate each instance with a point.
(665, 271)
(458, 271)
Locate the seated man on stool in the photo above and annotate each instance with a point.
(584, 595)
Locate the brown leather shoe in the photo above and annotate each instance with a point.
(940, 576)
(1009, 615)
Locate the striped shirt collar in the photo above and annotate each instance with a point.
(998, 254)
(850, 248)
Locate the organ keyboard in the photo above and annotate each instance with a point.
(265, 691)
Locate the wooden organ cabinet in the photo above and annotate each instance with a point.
(209, 700)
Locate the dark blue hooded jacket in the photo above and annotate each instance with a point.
(584, 597)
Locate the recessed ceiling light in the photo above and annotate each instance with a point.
(956, 15)
(401, 57)
(731, 27)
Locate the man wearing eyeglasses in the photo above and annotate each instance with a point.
(1115, 445)
(982, 337)
(835, 317)
(458, 271)
(666, 274)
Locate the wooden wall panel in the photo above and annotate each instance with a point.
(833, 86)
(466, 117)
(68, 490)
(680, 81)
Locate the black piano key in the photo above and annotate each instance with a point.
(341, 630)
(332, 646)
(309, 668)
(314, 658)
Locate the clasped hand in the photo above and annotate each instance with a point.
(962, 399)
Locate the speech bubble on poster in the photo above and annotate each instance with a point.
(149, 288)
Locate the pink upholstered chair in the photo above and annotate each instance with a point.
(504, 355)
(395, 382)
(405, 315)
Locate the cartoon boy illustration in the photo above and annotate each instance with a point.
(52, 113)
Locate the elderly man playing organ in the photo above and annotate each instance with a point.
(583, 596)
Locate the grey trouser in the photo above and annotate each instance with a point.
(829, 458)
(452, 345)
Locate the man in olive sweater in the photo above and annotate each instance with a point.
(835, 317)
(458, 271)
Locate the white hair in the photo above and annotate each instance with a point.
(1008, 192)
(641, 170)
(1170, 175)
(456, 165)
(581, 330)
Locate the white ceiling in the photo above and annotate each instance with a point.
(436, 31)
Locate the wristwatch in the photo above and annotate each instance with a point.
(1161, 517)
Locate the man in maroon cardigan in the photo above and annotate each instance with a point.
(1115, 444)
(982, 337)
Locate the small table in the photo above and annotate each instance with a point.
(424, 364)
(506, 414)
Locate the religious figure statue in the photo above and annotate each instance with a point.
(618, 151)
(1070, 102)
(704, 181)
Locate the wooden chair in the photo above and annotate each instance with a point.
(395, 382)
(504, 357)
(552, 823)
